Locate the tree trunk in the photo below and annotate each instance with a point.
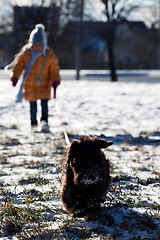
(112, 66)
(79, 42)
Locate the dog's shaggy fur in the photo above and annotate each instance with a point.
(85, 176)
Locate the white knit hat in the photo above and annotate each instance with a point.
(38, 35)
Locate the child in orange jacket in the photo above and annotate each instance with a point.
(40, 70)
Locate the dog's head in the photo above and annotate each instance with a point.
(84, 158)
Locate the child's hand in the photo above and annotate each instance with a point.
(55, 84)
(14, 81)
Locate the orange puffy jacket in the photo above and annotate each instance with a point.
(33, 92)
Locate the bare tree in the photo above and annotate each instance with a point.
(116, 11)
(72, 10)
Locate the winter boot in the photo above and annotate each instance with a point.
(44, 127)
(34, 125)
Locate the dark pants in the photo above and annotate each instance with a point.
(33, 111)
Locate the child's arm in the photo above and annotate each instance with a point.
(17, 70)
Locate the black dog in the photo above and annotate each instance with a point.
(85, 176)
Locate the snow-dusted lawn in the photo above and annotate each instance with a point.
(127, 112)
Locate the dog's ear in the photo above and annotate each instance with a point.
(73, 149)
(101, 143)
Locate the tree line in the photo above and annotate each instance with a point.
(115, 12)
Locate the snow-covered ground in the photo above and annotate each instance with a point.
(127, 112)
